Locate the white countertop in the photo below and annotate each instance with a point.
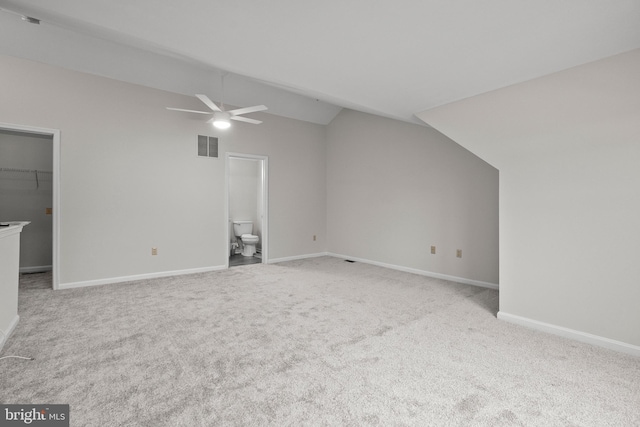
(13, 228)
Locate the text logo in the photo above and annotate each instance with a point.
(34, 415)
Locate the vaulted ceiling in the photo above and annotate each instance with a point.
(308, 59)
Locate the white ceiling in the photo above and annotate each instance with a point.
(394, 59)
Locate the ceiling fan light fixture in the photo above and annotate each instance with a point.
(222, 124)
(221, 120)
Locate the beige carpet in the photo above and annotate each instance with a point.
(312, 342)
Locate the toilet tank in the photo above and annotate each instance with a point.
(242, 227)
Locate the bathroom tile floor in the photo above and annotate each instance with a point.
(236, 260)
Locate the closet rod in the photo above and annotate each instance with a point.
(23, 170)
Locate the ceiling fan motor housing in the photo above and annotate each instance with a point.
(221, 116)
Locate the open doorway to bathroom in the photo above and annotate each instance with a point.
(29, 191)
(247, 209)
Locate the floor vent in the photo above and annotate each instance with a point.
(207, 146)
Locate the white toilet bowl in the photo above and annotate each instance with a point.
(249, 242)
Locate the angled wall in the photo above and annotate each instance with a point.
(567, 147)
(395, 189)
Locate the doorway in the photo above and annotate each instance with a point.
(247, 201)
(29, 191)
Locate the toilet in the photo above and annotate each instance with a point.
(242, 230)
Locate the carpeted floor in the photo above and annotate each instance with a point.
(312, 342)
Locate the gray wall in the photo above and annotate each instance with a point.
(25, 198)
(567, 147)
(395, 189)
(131, 179)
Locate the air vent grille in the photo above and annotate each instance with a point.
(207, 146)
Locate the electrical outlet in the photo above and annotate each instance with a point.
(433, 250)
(459, 253)
(154, 251)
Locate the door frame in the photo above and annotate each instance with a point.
(265, 201)
(55, 134)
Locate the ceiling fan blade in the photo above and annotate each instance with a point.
(188, 111)
(247, 110)
(245, 119)
(209, 103)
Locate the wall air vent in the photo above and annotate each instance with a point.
(207, 146)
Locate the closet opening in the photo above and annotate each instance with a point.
(29, 191)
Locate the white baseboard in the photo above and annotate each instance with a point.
(599, 341)
(36, 269)
(297, 257)
(135, 277)
(5, 334)
(421, 272)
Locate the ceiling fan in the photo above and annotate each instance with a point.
(220, 117)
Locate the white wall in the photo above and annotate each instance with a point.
(395, 189)
(131, 179)
(567, 147)
(25, 198)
